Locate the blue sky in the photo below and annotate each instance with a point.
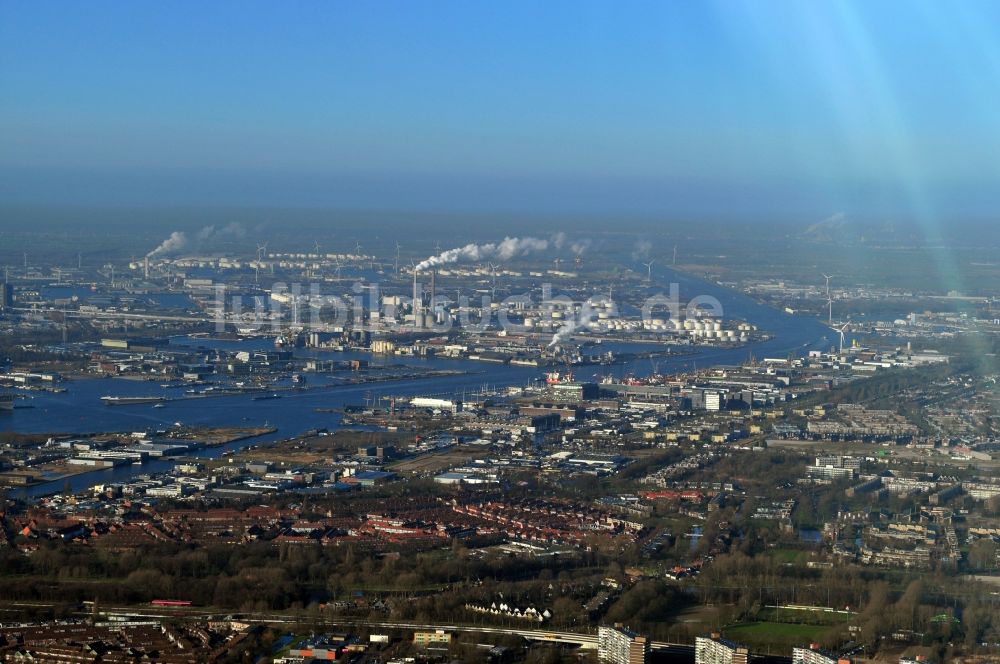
(790, 109)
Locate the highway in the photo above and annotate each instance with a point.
(586, 641)
(673, 651)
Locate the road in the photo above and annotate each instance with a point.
(583, 640)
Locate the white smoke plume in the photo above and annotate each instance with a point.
(232, 229)
(504, 251)
(177, 241)
(642, 249)
(579, 247)
(572, 325)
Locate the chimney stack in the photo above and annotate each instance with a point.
(417, 304)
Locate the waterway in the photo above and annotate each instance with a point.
(80, 410)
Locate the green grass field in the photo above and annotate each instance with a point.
(774, 634)
(788, 555)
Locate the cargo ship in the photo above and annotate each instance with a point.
(130, 401)
(555, 378)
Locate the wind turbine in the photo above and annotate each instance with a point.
(261, 248)
(829, 301)
(357, 249)
(841, 332)
(649, 270)
(316, 247)
(493, 271)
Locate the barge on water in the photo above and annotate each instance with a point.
(130, 401)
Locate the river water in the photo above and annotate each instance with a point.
(79, 410)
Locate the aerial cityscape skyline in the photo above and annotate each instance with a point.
(500, 333)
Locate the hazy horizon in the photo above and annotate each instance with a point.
(732, 111)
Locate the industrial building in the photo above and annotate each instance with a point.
(428, 638)
(575, 391)
(436, 404)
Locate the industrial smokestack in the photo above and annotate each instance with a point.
(417, 308)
